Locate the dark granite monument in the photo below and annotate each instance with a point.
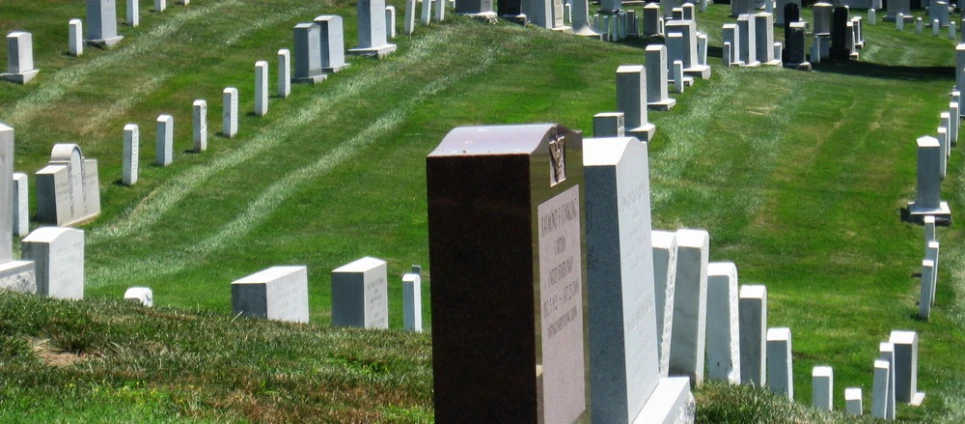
(792, 13)
(507, 253)
(839, 36)
(795, 47)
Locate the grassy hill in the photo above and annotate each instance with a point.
(797, 176)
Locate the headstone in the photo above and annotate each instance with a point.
(931, 254)
(879, 392)
(852, 400)
(788, 11)
(623, 334)
(229, 112)
(688, 11)
(955, 119)
(371, 29)
(508, 340)
(608, 124)
(200, 121)
(426, 17)
(726, 55)
(887, 353)
(20, 58)
(360, 293)
(928, 199)
(75, 44)
(896, 8)
(723, 328)
(285, 73)
(692, 67)
(632, 101)
(906, 367)
(131, 148)
(687, 353)
(332, 45)
(416, 269)
(160, 5)
(839, 46)
(652, 20)
(261, 88)
(795, 41)
(657, 97)
(938, 11)
(412, 302)
(164, 146)
(764, 23)
(702, 50)
(68, 192)
(390, 22)
(748, 40)
(929, 222)
(822, 388)
(935, 28)
(14, 275)
(409, 27)
(943, 141)
(816, 50)
(780, 378)
(58, 255)
(140, 295)
(440, 12)
(900, 24)
(856, 22)
(668, 6)
(664, 283)
(279, 293)
(850, 35)
(580, 19)
(731, 34)
(21, 211)
(678, 76)
(133, 13)
(102, 23)
(752, 314)
(308, 54)
(872, 20)
(927, 276)
(822, 18)
(960, 66)
(741, 7)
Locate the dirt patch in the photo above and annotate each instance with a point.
(51, 356)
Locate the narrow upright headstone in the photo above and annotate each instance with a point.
(752, 314)
(440, 10)
(886, 352)
(731, 35)
(872, 20)
(131, 148)
(955, 119)
(780, 378)
(261, 88)
(200, 121)
(371, 29)
(657, 91)
(928, 199)
(822, 388)
(935, 28)
(21, 210)
(748, 40)
(160, 5)
(102, 23)
(652, 20)
(133, 13)
(900, 24)
(689, 56)
(608, 124)
(229, 112)
(284, 85)
(20, 58)
(906, 367)
(58, 255)
(390, 22)
(723, 327)
(14, 275)
(924, 301)
(75, 42)
(412, 302)
(360, 294)
(279, 293)
(879, 393)
(678, 76)
(664, 284)
(726, 55)
(931, 254)
(426, 17)
(409, 27)
(822, 18)
(839, 28)
(960, 66)
(852, 400)
(164, 145)
(508, 339)
(702, 50)
(632, 101)
(332, 45)
(687, 353)
(308, 54)
(764, 30)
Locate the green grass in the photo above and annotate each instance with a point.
(797, 176)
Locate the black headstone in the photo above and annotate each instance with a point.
(794, 43)
(839, 34)
(792, 13)
(510, 7)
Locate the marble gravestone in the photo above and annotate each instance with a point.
(14, 275)
(657, 97)
(906, 367)
(879, 392)
(308, 49)
(928, 200)
(164, 147)
(687, 351)
(371, 30)
(102, 23)
(141, 295)
(160, 5)
(886, 352)
(747, 31)
(822, 18)
(20, 58)
(752, 316)
(261, 88)
(68, 190)
(229, 112)
(664, 282)
(632, 101)
(509, 285)
(960, 65)
(284, 73)
(723, 328)
(731, 37)
(764, 31)
(852, 401)
(780, 378)
(58, 256)
(21, 211)
(200, 121)
(332, 43)
(75, 38)
(688, 29)
(409, 26)
(652, 20)
(131, 150)
(133, 13)
(822, 388)
(390, 22)
(412, 302)
(360, 294)
(608, 124)
(279, 293)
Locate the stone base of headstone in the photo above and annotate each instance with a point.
(377, 52)
(803, 66)
(488, 17)
(943, 215)
(644, 133)
(18, 276)
(917, 399)
(664, 105)
(20, 78)
(105, 43)
(699, 71)
(312, 79)
(336, 69)
(520, 19)
(563, 28)
(670, 403)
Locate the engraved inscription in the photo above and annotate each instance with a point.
(557, 147)
(375, 295)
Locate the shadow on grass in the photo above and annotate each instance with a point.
(878, 70)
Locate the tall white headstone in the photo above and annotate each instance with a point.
(752, 313)
(440, 11)
(75, 43)
(332, 43)
(285, 71)
(360, 294)
(160, 5)
(886, 352)
(931, 254)
(632, 101)
(279, 293)
(58, 254)
(409, 27)
(924, 301)
(308, 57)
(928, 200)
(664, 283)
(200, 119)
(261, 88)
(164, 147)
(229, 112)
(131, 158)
(687, 350)
(133, 13)
(822, 388)
(14, 275)
(20, 58)
(780, 376)
(412, 302)
(371, 30)
(390, 22)
(723, 328)
(657, 97)
(102, 23)
(879, 393)
(906, 367)
(21, 211)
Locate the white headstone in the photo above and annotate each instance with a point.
(608, 124)
(332, 44)
(886, 352)
(440, 12)
(931, 254)
(731, 35)
(427, 12)
(102, 23)
(822, 388)
(58, 255)
(960, 66)
(360, 294)
(928, 199)
(164, 147)
(68, 191)
(21, 212)
(141, 295)
(412, 302)
(687, 352)
(160, 5)
(279, 293)
(285, 70)
(664, 283)
(14, 275)
(200, 119)
(955, 115)
(409, 17)
(229, 112)
(632, 101)
(723, 328)
(20, 58)
(390, 22)
(752, 313)
(131, 152)
(748, 40)
(879, 393)
(678, 76)
(657, 97)
(133, 13)
(371, 29)
(852, 399)
(906, 367)
(872, 20)
(927, 276)
(75, 44)
(261, 88)
(308, 58)
(780, 376)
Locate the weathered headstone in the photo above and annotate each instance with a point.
(14, 275)
(261, 88)
(517, 268)
(332, 43)
(21, 212)
(657, 97)
(360, 294)
(279, 293)
(164, 144)
(412, 302)
(632, 101)
(687, 353)
(133, 13)
(58, 255)
(822, 388)
(131, 150)
(723, 327)
(879, 393)
(780, 378)
(285, 72)
(390, 22)
(200, 121)
(68, 191)
(371, 30)
(229, 112)
(75, 42)
(20, 58)
(795, 41)
(608, 124)
(748, 40)
(852, 400)
(102, 23)
(764, 30)
(664, 283)
(141, 295)
(906, 367)
(887, 353)
(752, 315)
(308, 50)
(928, 199)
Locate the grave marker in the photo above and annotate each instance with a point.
(632, 101)
(285, 72)
(58, 255)
(687, 353)
(133, 13)
(21, 213)
(14, 275)
(332, 44)
(409, 27)
(928, 199)
(360, 294)
(261, 88)
(780, 378)
(141, 295)
(68, 192)
(279, 293)
(657, 97)
(164, 145)
(371, 29)
(906, 367)
(229, 112)
(308, 54)
(822, 388)
(131, 148)
(412, 302)
(102, 23)
(886, 352)
(664, 283)
(879, 395)
(75, 42)
(608, 124)
(200, 115)
(390, 22)
(723, 328)
(752, 314)
(20, 58)
(852, 400)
